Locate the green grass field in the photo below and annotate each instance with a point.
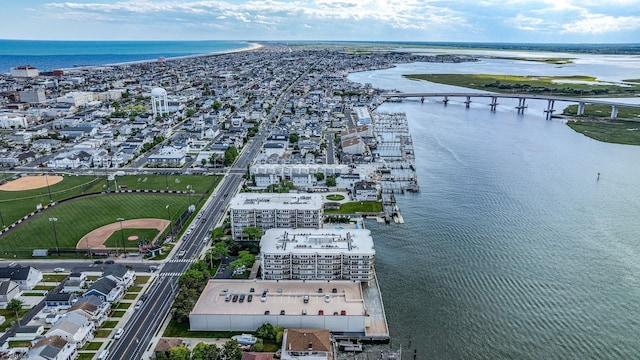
(17, 204)
(144, 235)
(77, 218)
(358, 206)
(618, 132)
(546, 85)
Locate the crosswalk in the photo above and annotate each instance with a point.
(170, 274)
(182, 260)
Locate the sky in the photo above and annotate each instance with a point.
(519, 21)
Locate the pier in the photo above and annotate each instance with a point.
(522, 98)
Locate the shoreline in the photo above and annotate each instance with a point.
(252, 46)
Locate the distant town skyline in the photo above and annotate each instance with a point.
(534, 21)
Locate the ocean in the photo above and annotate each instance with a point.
(51, 55)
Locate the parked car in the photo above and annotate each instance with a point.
(241, 299)
(305, 299)
(58, 270)
(98, 262)
(282, 312)
(138, 304)
(320, 312)
(144, 297)
(227, 297)
(263, 298)
(118, 334)
(343, 312)
(250, 298)
(235, 298)
(109, 261)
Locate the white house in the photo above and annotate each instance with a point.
(74, 328)
(26, 276)
(308, 344)
(120, 274)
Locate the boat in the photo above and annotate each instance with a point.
(245, 339)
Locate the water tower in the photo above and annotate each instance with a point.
(159, 103)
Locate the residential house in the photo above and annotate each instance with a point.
(106, 289)
(61, 300)
(52, 348)
(366, 191)
(8, 291)
(28, 332)
(75, 283)
(120, 274)
(164, 345)
(26, 276)
(309, 344)
(93, 308)
(73, 327)
(257, 356)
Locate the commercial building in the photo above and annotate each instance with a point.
(337, 306)
(268, 211)
(26, 71)
(317, 254)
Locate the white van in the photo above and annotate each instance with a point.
(103, 355)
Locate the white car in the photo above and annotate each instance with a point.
(58, 270)
(118, 334)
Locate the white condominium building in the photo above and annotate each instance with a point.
(319, 254)
(268, 211)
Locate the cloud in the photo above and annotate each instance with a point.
(599, 24)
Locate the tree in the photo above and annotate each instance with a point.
(179, 353)
(192, 279)
(231, 351)
(213, 159)
(203, 351)
(217, 105)
(319, 176)
(230, 156)
(253, 233)
(14, 305)
(203, 161)
(266, 332)
(331, 181)
(183, 304)
(293, 138)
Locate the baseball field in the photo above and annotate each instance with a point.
(78, 217)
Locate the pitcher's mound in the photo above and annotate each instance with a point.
(31, 182)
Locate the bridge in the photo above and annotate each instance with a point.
(522, 98)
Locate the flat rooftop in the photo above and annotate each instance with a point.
(326, 241)
(267, 201)
(281, 295)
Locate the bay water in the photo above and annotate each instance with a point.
(514, 248)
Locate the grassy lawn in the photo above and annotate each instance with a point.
(93, 277)
(166, 249)
(618, 132)
(103, 333)
(85, 356)
(135, 289)
(358, 206)
(110, 324)
(335, 197)
(597, 111)
(530, 84)
(175, 329)
(77, 218)
(94, 345)
(118, 313)
(53, 277)
(145, 235)
(19, 343)
(141, 280)
(123, 305)
(43, 287)
(130, 296)
(32, 294)
(199, 183)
